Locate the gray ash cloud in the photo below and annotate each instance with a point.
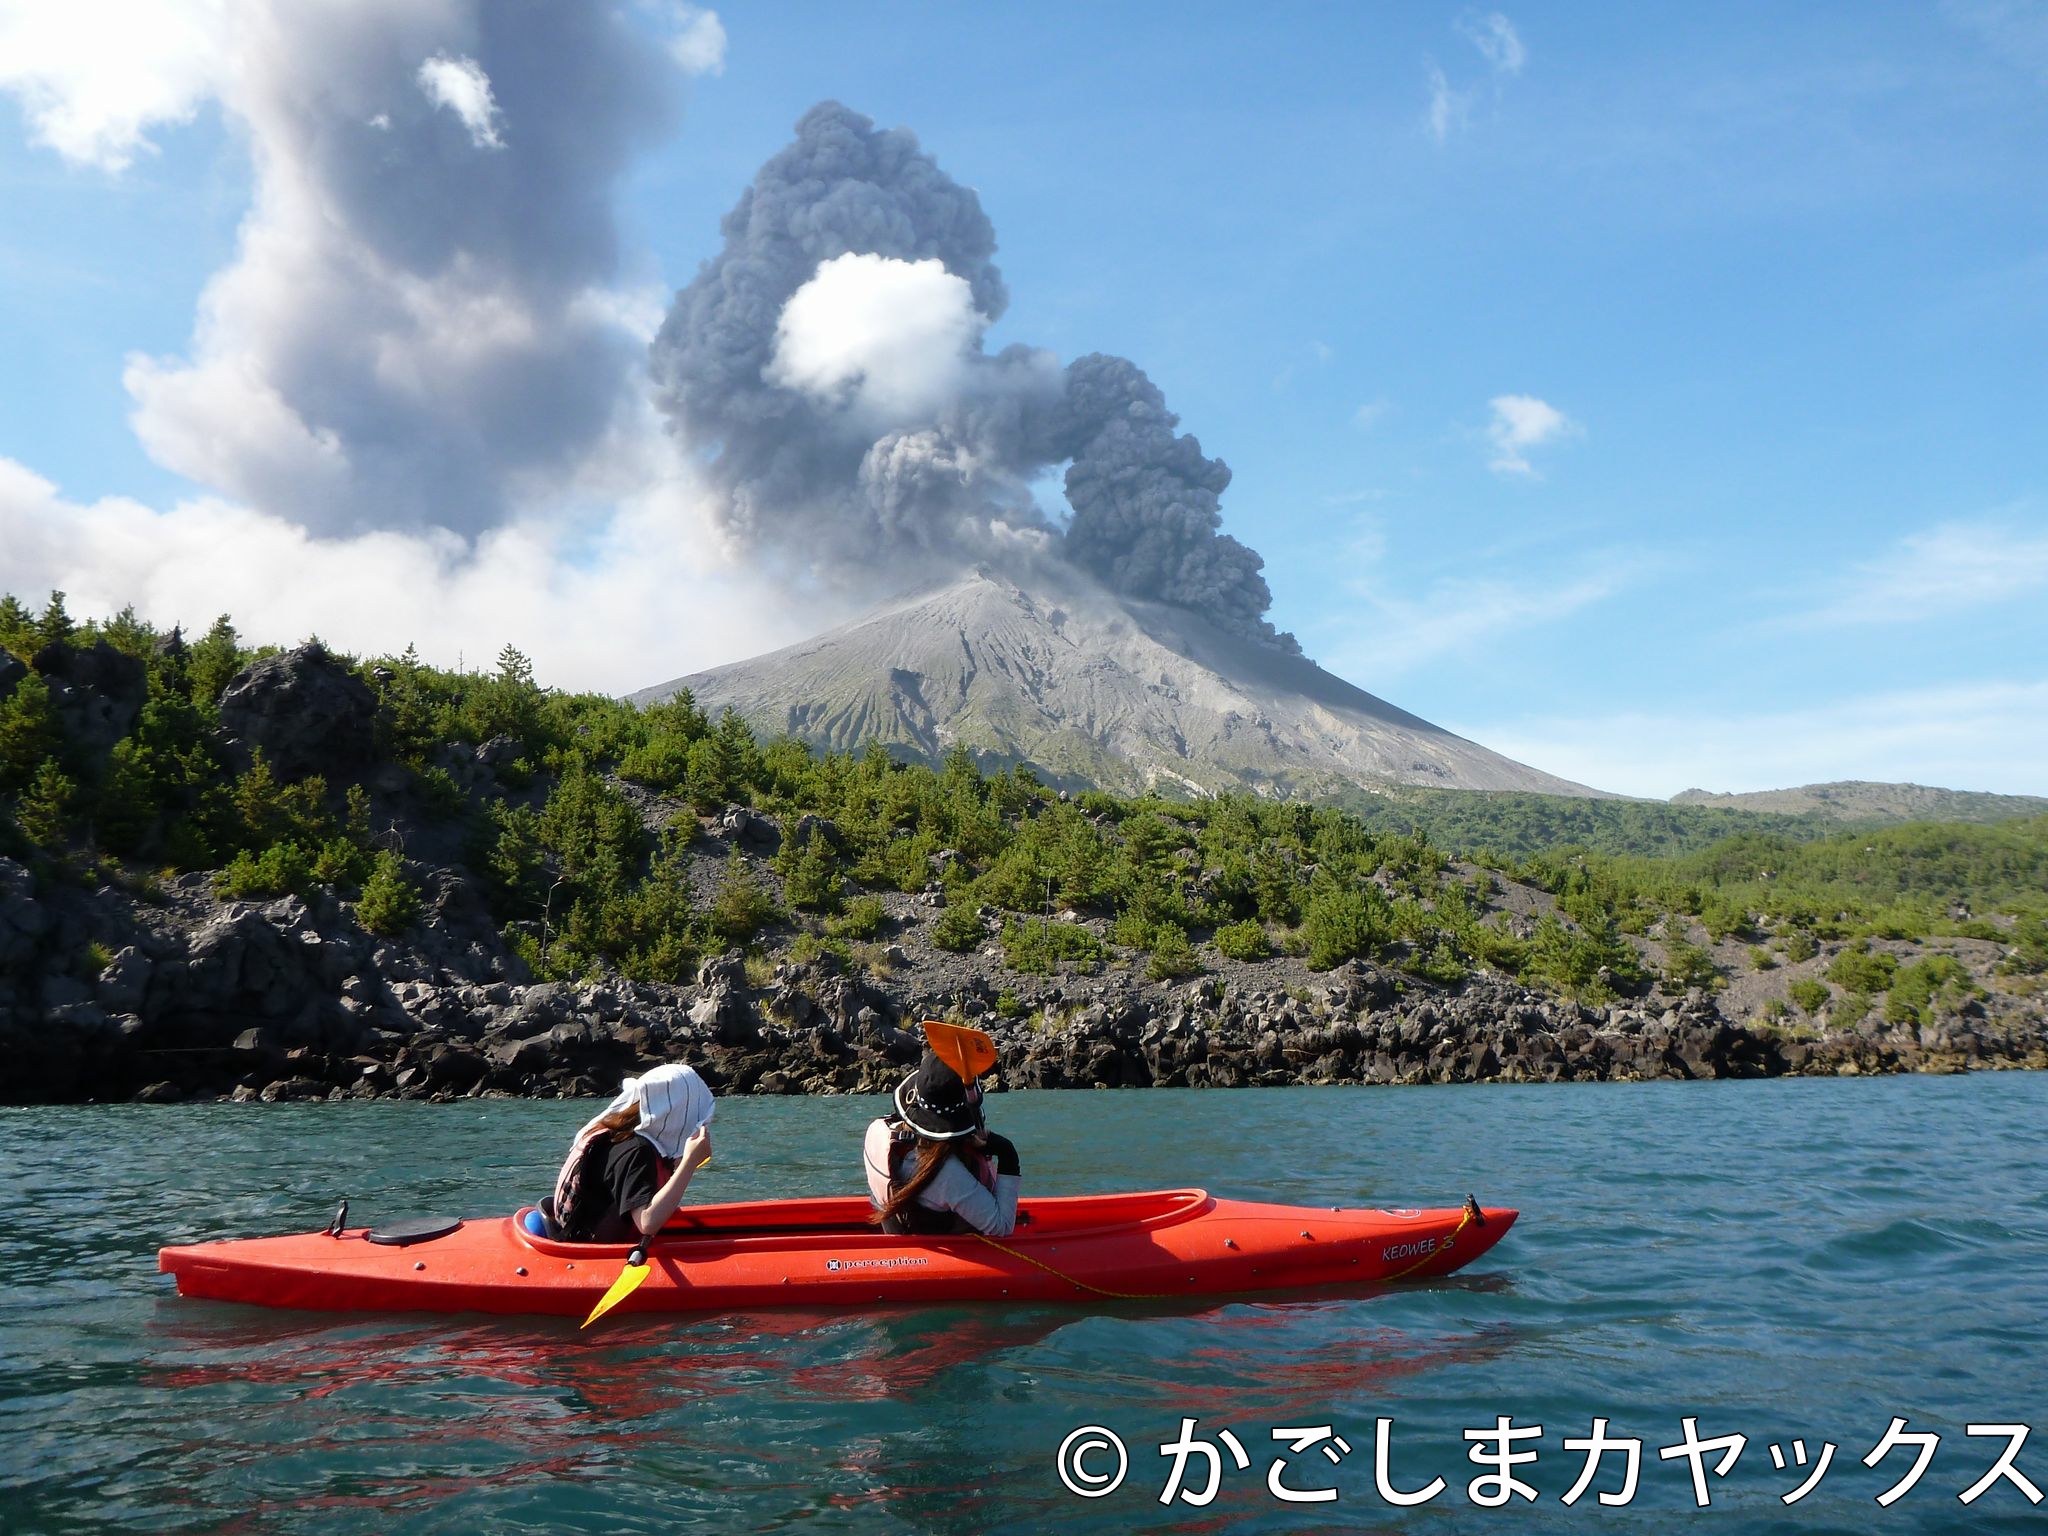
(810, 467)
(413, 331)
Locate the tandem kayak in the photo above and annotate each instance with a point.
(1155, 1245)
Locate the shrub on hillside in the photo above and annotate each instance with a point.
(1242, 941)
(1039, 946)
(2029, 953)
(1343, 923)
(1172, 955)
(1860, 970)
(958, 928)
(1808, 995)
(1926, 988)
(390, 902)
(862, 918)
(742, 908)
(1686, 965)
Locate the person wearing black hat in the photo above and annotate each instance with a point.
(935, 1167)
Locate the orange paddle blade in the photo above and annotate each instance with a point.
(968, 1052)
(627, 1283)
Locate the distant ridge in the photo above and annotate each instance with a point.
(1093, 689)
(1861, 800)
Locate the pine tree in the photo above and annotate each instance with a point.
(128, 634)
(55, 625)
(514, 668)
(214, 661)
(17, 627)
(390, 901)
(44, 806)
(28, 732)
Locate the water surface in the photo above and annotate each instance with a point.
(1788, 1260)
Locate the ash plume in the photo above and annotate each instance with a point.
(419, 328)
(828, 370)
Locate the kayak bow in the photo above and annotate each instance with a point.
(1156, 1245)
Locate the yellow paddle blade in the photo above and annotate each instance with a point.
(627, 1283)
(968, 1052)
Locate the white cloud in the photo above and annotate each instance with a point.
(698, 43)
(94, 76)
(1980, 735)
(1395, 625)
(1497, 41)
(1370, 414)
(1953, 568)
(1522, 422)
(644, 598)
(1501, 46)
(888, 338)
(1448, 108)
(460, 85)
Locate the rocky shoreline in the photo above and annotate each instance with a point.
(200, 999)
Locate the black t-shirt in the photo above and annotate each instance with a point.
(632, 1174)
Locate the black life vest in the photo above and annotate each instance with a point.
(917, 1219)
(589, 1194)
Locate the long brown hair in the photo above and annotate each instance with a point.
(621, 1123)
(931, 1157)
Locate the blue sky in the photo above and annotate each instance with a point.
(1660, 397)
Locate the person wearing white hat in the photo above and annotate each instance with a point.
(628, 1167)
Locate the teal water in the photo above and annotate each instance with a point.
(1794, 1259)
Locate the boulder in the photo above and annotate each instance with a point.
(749, 828)
(23, 919)
(304, 710)
(98, 692)
(12, 670)
(125, 981)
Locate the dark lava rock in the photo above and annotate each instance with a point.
(98, 692)
(306, 711)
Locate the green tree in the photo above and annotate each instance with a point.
(741, 909)
(1172, 955)
(514, 860)
(46, 804)
(390, 902)
(1858, 969)
(1687, 965)
(1808, 995)
(1343, 922)
(1926, 988)
(1242, 941)
(810, 874)
(958, 928)
(55, 626)
(214, 661)
(17, 626)
(129, 635)
(28, 733)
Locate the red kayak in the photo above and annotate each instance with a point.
(1155, 1245)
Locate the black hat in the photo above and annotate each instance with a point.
(935, 1103)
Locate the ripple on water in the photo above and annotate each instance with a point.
(1781, 1258)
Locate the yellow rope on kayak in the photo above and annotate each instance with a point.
(1081, 1284)
(1471, 1214)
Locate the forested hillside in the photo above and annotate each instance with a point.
(609, 840)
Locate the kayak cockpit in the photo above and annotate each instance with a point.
(845, 1218)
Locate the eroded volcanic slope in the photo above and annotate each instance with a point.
(1090, 688)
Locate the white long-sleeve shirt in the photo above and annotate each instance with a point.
(953, 1188)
